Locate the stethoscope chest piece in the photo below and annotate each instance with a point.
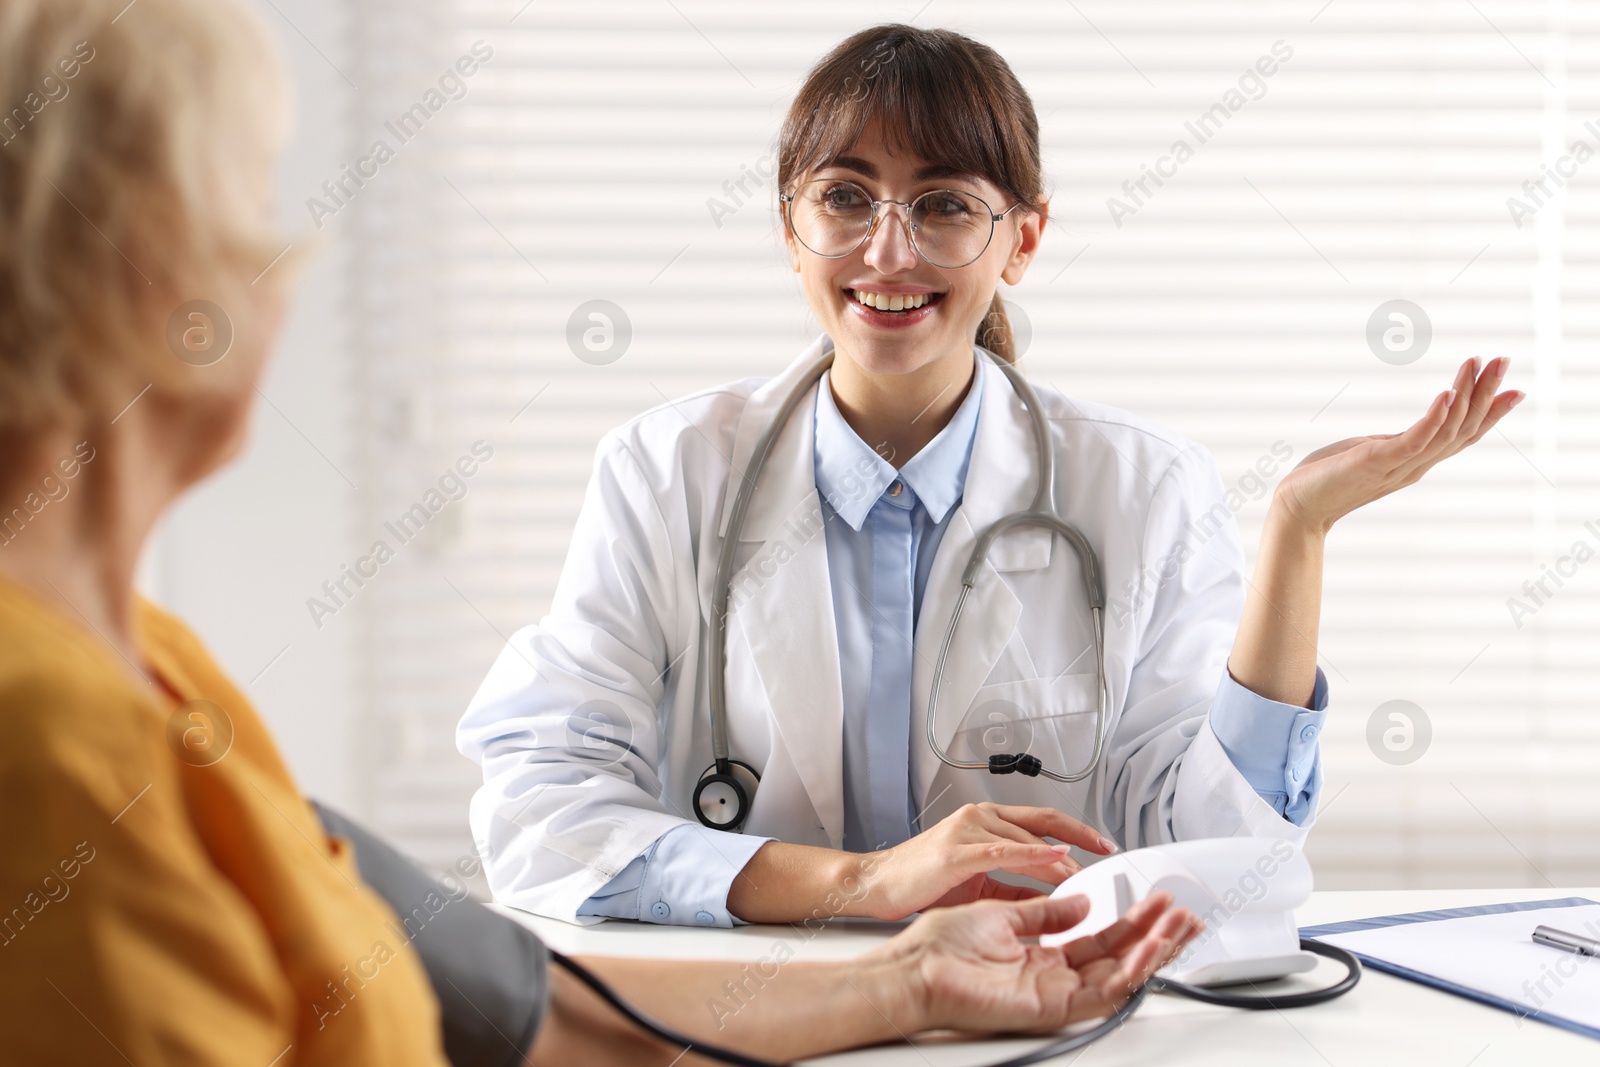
(721, 800)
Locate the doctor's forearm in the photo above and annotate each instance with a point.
(786, 883)
(1275, 651)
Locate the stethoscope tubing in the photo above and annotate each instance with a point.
(1041, 513)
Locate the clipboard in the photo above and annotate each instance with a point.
(1487, 954)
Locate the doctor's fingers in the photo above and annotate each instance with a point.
(1479, 392)
(1466, 385)
(1473, 406)
(1015, 857)
(1051, 866)
(1048, 822)
(1399, 453)
(1395, 460)
(1414, 466)
(1498, 409)
(1004, 891)
(1485, 406)
(1052, 874)
(1475, 411)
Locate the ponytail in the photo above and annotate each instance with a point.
(994, 332)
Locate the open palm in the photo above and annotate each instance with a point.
(1339, 478)
(981, 971)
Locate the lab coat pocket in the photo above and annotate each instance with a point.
(1050, 718)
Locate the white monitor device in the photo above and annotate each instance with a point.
(1244, 889)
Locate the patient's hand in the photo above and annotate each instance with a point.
(977, 968)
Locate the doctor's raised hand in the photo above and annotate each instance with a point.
(1275, 651)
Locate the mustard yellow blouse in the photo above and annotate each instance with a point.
(167, 896)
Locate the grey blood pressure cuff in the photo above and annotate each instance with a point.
(490, 974)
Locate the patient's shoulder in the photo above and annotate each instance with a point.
(67, 712)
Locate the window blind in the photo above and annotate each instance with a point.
(1234, 289)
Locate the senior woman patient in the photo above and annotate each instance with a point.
(163, 901)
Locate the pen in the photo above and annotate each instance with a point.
(1583, 946)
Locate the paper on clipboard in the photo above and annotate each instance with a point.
(1488, 954)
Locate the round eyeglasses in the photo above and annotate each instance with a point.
(833, 217)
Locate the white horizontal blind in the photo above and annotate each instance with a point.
(598, 155)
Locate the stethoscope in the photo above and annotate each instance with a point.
(721, 801)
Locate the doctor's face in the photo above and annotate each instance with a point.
(845, 293)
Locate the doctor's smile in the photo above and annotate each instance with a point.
(890, 308)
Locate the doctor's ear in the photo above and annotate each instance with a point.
(1025, 238)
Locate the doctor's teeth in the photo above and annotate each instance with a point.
(897, 302)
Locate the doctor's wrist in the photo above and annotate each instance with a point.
(800, 883)
(1285, 520)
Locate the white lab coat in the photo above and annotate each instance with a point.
(592, 727)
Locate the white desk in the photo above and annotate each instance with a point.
(1384, 1020)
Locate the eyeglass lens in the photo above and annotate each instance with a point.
(832, 217)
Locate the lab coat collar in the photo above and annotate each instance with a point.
(789, 476)
(1002, 475)
(794, 653)
(1000, 478)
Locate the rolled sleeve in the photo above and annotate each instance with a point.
(1274, 745)
(682, 879)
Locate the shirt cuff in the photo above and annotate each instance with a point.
(1274, 745)
(682, 879)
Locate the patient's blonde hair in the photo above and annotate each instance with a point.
(135, 143)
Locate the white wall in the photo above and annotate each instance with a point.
(238, 557)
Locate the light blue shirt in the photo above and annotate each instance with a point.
(883, 527)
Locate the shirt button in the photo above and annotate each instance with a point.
(1308, 733)
(1294, 776)
(705, 918)
(660, 910)
(896, 487)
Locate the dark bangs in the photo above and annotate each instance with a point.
(938, 95)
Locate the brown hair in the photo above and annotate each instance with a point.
(943, 97)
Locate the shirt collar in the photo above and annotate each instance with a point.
(851, 476)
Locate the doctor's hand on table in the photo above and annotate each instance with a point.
(945, 865)
(975, 969)
(1275, 651)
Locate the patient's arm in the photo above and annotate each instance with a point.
(973, 968)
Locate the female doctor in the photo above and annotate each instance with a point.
(910, 185)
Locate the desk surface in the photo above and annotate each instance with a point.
(1384, 1020)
